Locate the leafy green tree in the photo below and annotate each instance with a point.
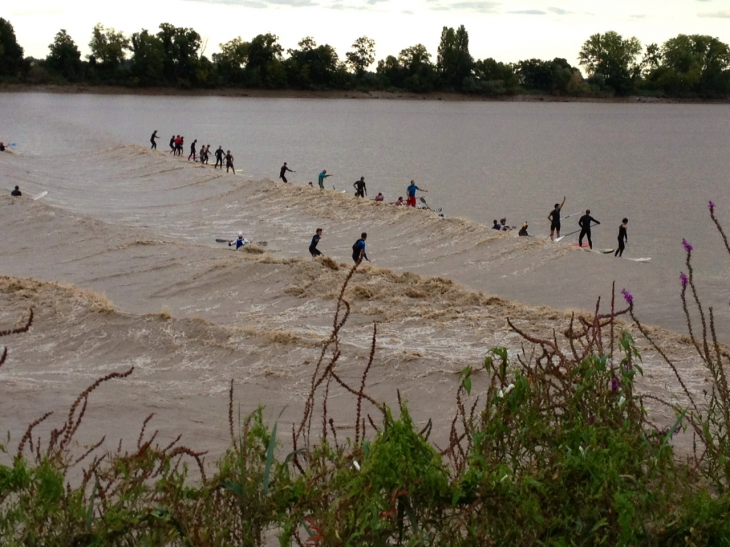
(231, 61)
(263, 66)
(546, 76)
(362, 55)
(181, 46)
(420, 73)
(493, 78)
(695, 63)
(148, 59)
(614, 58)
(65, 57)
(11, 54)
(454, 62)
(312, 66)
(108, 46)
(391, 73)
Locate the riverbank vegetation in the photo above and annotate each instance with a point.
(686, 66)
(553, 445)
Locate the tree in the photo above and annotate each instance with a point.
(264, 67)
(181, 62)
(701, 62)
(11, 54)
(312, 66)
(148, 59)
(614, 58)
(362, 55)
(65, 57)
(455, 63)
(108, 46)
(231, 60)
(547, 76)
(420, 74)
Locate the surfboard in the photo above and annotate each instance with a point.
(39, 196)
(584, 246)
(643, 259)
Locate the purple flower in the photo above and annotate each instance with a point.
(614, 384)
(627, 296)
(712, 207)
(684, 279)
(686, 245)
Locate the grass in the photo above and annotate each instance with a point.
(552, 446)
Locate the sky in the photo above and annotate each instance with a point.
(506, 30)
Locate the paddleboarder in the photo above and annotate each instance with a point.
(282, 172)
(623, 237)
(554, 218)
(358, 249)
(585, 228)
(153, 138)
(313, 245)
(240, 242)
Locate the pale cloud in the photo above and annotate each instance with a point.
(261, 4)
(484, 7)
(528, 12)
(722, 14)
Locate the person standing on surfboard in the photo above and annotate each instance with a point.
(313, 245)
(358, 249)
(192, 150)
(172, 144)
(16, 193)
(229, 162)
(623, 237)
(320, 178)
(554, 218)
(360, 189)
(411, 191)
(282, 172)
(152, 140)
(219, 157)
(585, 228)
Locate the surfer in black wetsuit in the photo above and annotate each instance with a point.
(229, 162)
(360, 189)
(153, 138)
(282, 172)
(2, 147)
(313, 245)
(554, 218)
(219, 158)
(623, 237)
(585, 228)
(523, 230)
(172, 144)
(16, 193)
(192, 150)
(358, 249)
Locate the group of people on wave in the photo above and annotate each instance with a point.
(176, 148)
(586, 222)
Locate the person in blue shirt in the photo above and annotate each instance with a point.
(358, 249)
(240, 242)
(313, 245)
(412, 193)
(323, 175)
(496, 225)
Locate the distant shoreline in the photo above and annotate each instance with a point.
(74, 89)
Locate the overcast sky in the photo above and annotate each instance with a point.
(507, 30)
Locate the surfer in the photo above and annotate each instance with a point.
(229, 162)
(153, 138)
(360, 189)
(585, 228)
(400, 201)
(496, 225)
(310, 184)
(172, 144)
(192, 150)
(505, 228)
(205, 154)
(623, 237)
(282, 172)
(554, 218)
(323, 175)
(219, 157)
(240, 242)
(16, 193)
(411, 190)
(313, 245)
(380, 197)
(358, 249)
(523, 231)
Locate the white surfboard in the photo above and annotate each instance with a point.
(39, 196)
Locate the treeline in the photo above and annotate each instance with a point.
(684, 66)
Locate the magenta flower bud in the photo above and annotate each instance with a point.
(614, 384)
(627, 296)
(686, 245)
(683, 279)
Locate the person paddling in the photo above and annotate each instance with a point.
(313, 245)
(153, 138)
(585, 228)
(358, 249)
(411, 190)
(240, 242)
(623, 237)
(282, 172)
(554, 218)
(323, 175)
